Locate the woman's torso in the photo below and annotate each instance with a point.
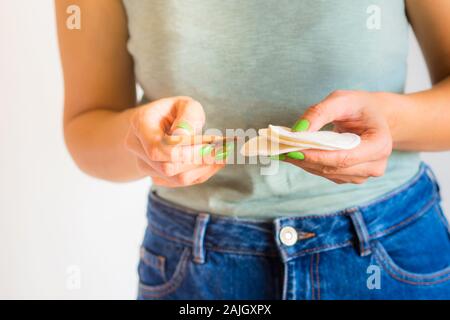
(259, 62)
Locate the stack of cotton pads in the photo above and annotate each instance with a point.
(277, 140)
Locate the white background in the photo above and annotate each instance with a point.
(55, 222)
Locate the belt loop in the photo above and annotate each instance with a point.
(199, 236)
(361, 232)
(432, 177)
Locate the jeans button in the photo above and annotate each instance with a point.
(288, 236)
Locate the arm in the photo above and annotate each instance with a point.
(420, 121)
(99, 88)
(106, 134)
(386, 121)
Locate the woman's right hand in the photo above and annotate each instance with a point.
(172, 165)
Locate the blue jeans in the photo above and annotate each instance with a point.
(397, 247)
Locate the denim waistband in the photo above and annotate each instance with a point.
(355, 226)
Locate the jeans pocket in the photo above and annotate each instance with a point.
(418, 254)
(162, 268)
(154, 262)
(156, 291)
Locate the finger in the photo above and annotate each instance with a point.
(220, 154)
(153, 122)
(377, 146)
(156, 116)
(316, 169)
(189, 117)
(196, 154)
(364, 170)
(206, 177)
(346, 179)
(148, 170)
(134, 145)
(171, 169)
(158, 178)
(371, 169)
(167, 160)
(339, 179)
(197, 175)
(161, 172)
(165, 183)
(337, 106)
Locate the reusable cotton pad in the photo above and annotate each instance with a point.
(276, 140)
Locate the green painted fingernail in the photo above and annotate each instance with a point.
(206, 150)
(296, 155)
(280, 157)
(301, 125)
(221, 156)
(229, 146)
(186, 126)
(224, 151)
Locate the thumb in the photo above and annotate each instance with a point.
(337, 106)
(189, 117)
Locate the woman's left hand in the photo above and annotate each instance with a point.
(350, 111)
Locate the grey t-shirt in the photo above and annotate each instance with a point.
(257, 62)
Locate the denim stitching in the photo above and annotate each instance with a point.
(194, 244)
(180, 270)
(255, 227)
(218, 249)
(388, 195)
(418, 283)
(289, 278)
(442, 217)
(294, 285)
(398, 190)
(273, 254)
(199, 235)
(232, 251)
(331, 246)
(408, 220)
(433, 178)
(384, 259)
(167, 205)
(160, 265)
(411, 282)
(318, 275)
(444, 222)
(164, 235)
(340, 213)
(210, 247)
(172, 284)
(374, 236)
(385, 256)
(356, 219)
(322, 248)
(311, 276)
(365, 235)
(285, 281)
